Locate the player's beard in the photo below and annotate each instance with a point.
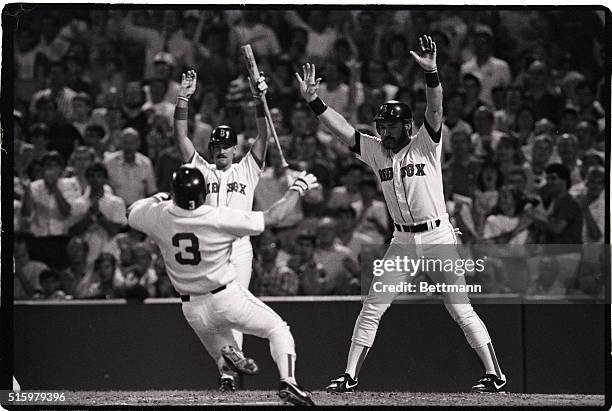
(390, 143)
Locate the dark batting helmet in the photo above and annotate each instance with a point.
(224, 135)
(188, 188)
(394, 110)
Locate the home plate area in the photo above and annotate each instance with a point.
(366, 398)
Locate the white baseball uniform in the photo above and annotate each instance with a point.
(233, 188)
(411, 182)
(196, 246)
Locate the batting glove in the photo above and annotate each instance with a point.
(304, 182)
(258, 87)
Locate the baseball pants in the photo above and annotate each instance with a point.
(437, 243)
(242, 259)
(213, 317)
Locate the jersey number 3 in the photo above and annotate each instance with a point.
(192, 250)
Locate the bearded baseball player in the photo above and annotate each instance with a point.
(227, 184)
(409, 170)
(196, 242)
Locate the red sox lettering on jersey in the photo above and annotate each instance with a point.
(411, 179)
(233, 187)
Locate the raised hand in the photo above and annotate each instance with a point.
(427, 58)
(309, 86)
(189, 81)
(304, 183)
(258, 87)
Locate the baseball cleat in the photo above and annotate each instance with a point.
(344, 383)
(293, 394)
(226, 383)
(236, 360)
(489, 383)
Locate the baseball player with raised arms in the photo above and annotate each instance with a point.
(409, 170)
(227, 184)
(196, 242)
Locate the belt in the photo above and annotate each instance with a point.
(417, 228)
(187, 298)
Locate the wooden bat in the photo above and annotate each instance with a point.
(249, 59)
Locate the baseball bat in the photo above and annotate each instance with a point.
(249, 59)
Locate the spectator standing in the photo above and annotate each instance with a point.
(98, 214)
(81, 111)
(349, 192)
(493, 71)
(47, 204)
(321, 37)
(130, 173)
(57, 91)
(567, 149)
(251, 30)
(472, 86)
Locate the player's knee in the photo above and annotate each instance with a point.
(470, 323)
(281, 340)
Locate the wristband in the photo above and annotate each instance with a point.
(180, 113)
(317, 106)
(300, 186)
(183, 98)
(431, 78)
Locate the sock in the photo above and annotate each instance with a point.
(356, 356)
(486, 353)
(286, 367)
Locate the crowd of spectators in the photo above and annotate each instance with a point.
(524, 137)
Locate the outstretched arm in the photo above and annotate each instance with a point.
(259, 89)
(281, 209)
(333, 120)
(188, 86)
(433, 91)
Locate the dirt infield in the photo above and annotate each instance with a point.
(269, 398)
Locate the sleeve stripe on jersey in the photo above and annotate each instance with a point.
(357, 147)
(435, 135)
(258, 161)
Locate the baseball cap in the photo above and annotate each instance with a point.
(164, 57)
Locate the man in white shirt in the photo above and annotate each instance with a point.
(130, 172)
(493, 71)
(47, 205)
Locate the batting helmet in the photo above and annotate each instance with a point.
(224, 135)
(394, 110)
(188, 188)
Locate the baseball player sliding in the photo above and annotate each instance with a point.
(409, 170)
(196, 242)
(227, 184)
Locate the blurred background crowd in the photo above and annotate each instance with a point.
(524, 139)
